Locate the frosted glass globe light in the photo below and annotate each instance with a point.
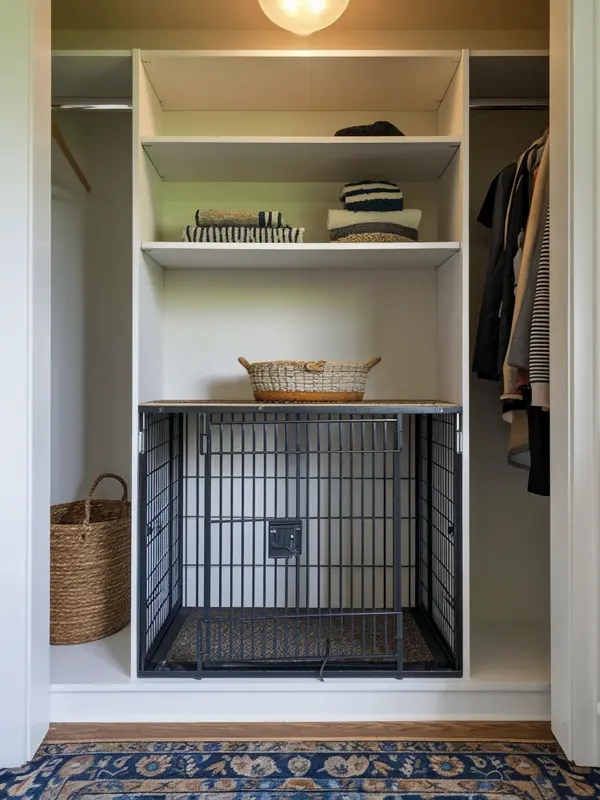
(303, 16)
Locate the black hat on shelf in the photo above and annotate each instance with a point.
(381, 128)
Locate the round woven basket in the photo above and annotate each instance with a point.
(308, 381)
(90, 567)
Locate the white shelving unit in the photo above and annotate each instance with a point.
(229, 144)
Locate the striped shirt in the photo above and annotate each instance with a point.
(539, 344)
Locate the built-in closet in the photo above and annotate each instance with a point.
(150, 321)
(510, 528)
(91, 280)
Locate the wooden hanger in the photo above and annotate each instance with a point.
(57, 135)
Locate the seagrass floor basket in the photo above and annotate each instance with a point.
(90, 567)
(309, 381)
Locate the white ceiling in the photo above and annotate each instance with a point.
(247, 15)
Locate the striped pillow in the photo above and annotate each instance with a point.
(372, 196)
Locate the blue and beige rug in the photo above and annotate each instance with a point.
(299, 771)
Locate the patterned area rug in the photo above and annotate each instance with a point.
(299, 771)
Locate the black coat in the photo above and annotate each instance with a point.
(493, 216)
(498, 305)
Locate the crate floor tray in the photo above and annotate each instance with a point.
(237, 637)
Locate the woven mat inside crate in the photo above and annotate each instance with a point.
(233, 639)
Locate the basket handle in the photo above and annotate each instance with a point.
(372, 363)
(314, 366)
(88, 501)
(244, 363)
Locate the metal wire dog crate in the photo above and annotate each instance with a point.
(299, 540)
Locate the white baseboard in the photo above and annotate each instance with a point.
(298, 701)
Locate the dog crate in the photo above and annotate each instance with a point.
(299, 540)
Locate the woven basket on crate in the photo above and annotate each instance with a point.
(308, 381)
(90, 567)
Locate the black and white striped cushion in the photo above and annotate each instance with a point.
(372, 196)
(239, 234)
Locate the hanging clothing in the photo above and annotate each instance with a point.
(539, 347)
(493, 215)
(517, 218)
(512, 341)
(517, 356)
(538, 421)
(527, 430)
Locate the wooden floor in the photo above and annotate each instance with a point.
(302, 731)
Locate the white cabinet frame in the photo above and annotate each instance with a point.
(24, 340)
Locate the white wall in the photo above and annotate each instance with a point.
(211, 318)
(303, 205)
(291, 123)
(91, 303)
(108, 293)
(277, 39)
(69, 203)
(510, 529)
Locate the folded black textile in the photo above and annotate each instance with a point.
(376, 129)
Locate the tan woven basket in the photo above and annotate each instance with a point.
(308, 381)
(90, 567)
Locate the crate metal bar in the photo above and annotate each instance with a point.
(172, 518)
(181, 500)
(351, 525)
(418, 553)
(458, 552)
(362, 533)
(254, 469)
(305, 515)
(143, 644)
(230, 458)
(243, 527)
(207, 528)
(374, 529)
(265, 551)
(429, 515)
(397, 523)
(319, 525)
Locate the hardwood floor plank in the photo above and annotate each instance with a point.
(301, 731)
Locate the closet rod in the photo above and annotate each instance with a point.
(92, 106)
(512, 104)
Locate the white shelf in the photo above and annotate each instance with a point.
(91, 77)
(300, 80)
(409, 256)
(519, 76)
(307, 159)
(503, 654)
(105, 661)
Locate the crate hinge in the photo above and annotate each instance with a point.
(459, 442)
(141, 443)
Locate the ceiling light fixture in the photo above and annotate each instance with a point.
(303, 16)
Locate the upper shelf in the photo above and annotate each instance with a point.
(91, 76)
(404, 256)
(519, 76)
(310, 159)
(300, 80)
